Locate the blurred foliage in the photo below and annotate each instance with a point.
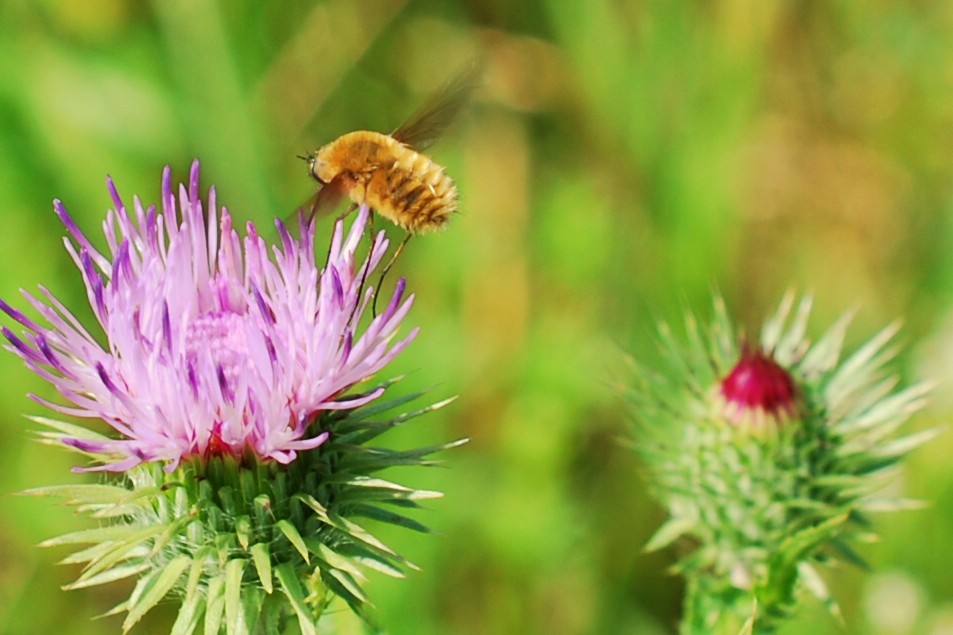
(623, 158)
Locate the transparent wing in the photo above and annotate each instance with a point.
(326, 199)
(437, 113)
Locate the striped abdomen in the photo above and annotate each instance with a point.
(399, 183)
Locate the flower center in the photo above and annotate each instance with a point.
(219, 338)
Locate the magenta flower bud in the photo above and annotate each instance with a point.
(758, 387)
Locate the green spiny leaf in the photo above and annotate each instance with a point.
(669, 532)
(357, 532)
(377, 562)
(349, 583)
(848, 554)
(193, 602)
(243, 530)
(193, 606)
(173, 530)
(356, 433)
(383, 484)
(365, 460)
(380, 406)
(800, 543)
(103, 534)
(252, 604)
(773, 327)
(333, 559)
(862, 402)
(818, 588)
(199, 559)
(887, 413)
(215, 605)
(110, 575)
(878, 505)
(824, 354)
(261, 556)
(385, 516)
(803, 504)
(93, 552)
(672, 349)
(234, 616)
(855, 370)
(271, 617)
(82, 494)
(319, 510)
(900, 447)
(790, 346)
(837, 482)
(122, 607)
(356, 603)
(291, 533)
(109, 512)
(141, 493)
(292, 589)
(152, 588)
(120, 550)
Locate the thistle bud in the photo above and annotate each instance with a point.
(758, 391)
(758, 512)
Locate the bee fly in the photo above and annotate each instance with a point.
(389, 172)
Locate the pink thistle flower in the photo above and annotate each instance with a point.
(213, 344)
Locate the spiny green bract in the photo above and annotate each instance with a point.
(758, 502)
(246, 545)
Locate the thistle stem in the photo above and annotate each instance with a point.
(713, 607)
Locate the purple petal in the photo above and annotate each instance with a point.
(227, 392)
(166, 328)
(25, 351)
(263, 308)
(18, 316)
(395, 299)
(194, 181)
(337, 287)
(44, 347)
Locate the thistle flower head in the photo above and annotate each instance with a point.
(227, 371)
(766, 456)
(212, 347)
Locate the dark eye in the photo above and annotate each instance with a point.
(313, 168)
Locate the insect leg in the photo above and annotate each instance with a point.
(390, 263)
(369, 230)
(347, 212)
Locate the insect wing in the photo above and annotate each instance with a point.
(326, 198)
(430, 121)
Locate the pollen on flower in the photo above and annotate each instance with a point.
(758, 387)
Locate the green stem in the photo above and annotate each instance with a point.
(715, 607)
(278, 618)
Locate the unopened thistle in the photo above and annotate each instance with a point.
(767, 455)
(236, 460)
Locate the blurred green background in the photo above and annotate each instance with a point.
(621, 161)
